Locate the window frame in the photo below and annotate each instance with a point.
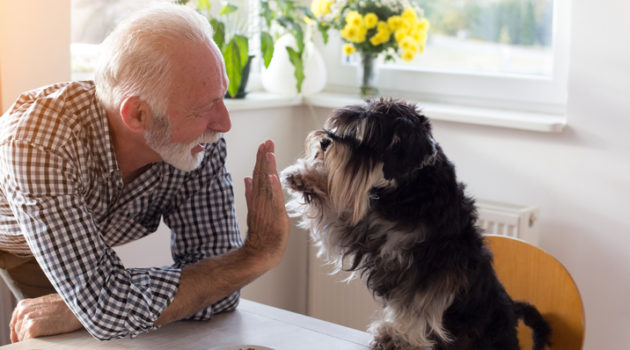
(501, 91)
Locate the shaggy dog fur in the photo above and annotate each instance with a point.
(381, 199)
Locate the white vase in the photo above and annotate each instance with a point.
(279, 77)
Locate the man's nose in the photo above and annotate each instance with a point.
(221, 120)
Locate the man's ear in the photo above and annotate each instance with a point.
(135, 113)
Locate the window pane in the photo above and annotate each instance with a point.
(92, 20)
(488, 36)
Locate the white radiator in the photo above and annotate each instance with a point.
(507, 219)
(352, 305)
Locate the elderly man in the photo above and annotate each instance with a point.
(85, 166)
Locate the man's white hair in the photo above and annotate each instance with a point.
(135, 56)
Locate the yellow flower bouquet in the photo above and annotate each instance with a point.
(371, 28)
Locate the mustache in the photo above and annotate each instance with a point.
(208, 137)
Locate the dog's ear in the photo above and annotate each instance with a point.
(411, 144)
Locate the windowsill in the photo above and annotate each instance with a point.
(512, 119)
(260, 100)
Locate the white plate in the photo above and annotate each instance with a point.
(241, 347)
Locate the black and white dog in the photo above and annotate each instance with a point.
(381, 199)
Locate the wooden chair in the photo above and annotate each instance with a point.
(531, 274)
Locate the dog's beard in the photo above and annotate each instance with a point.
(176, 154)
(328, 195)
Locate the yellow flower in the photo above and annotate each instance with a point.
(399, 35)
(394, 23)
(408, 44)
(406, 26)
(349, 32)
(408, 55)
(353, 33)
(410, 14)
(424, 25)
(362, 33)
(378, 39)
(382, 27)
(348, 49)
(370, 20)
(321, 7)
(354, 18)
(419, 36)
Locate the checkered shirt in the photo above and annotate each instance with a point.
(61, 193)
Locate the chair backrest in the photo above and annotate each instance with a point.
(530, 274)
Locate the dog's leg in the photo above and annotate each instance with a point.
(388, 337)
(384, 337)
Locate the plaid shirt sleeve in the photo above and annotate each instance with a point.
(204, 224)
(42, 152)
(43, 187)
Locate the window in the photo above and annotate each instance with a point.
(505, 54)
(92, 20)
(489, 37)
(498, 53)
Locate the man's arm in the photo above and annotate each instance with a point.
(207, 281)
(201, 283)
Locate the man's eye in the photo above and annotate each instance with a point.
(324, 143)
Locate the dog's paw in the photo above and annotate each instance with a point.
(384, 341)
(295, 181)
(387, 339)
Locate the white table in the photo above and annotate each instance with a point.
(252, 323)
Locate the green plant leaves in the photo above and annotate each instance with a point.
(227, 9)
(243, 48)
(323, 29)
(266, 12)
(219, 32)
(296, 59)
(235, 54)
(202, 5)
(266, 48)
(295, 29)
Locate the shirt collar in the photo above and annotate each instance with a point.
(103, 136)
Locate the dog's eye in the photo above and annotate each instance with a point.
(324, 143)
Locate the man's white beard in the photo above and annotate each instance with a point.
(176, 154)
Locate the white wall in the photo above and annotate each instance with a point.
(34, 46)
(285, 286)
(34, 51)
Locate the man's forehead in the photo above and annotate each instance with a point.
(198, 74)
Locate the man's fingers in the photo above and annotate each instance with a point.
(270, 164)
(265, 165)
(16, 320)
(263, 149)
(248, 191)
(276, 189)
(40, 316)
(23, 331)
(14, 337)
